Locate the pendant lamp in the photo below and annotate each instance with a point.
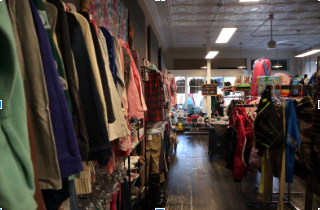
(241, 66)
(277, 65)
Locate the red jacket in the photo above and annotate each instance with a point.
(244, 143)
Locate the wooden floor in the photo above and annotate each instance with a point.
(195, 183)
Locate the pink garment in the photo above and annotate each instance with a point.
(136, 78)
(252, 109)
(135, 108)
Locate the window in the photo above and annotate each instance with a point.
(195, 97)
(283, 62)
(217, 80)
(181, 96)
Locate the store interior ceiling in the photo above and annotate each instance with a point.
(186, 24)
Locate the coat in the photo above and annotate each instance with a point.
(17, 178)
(99, 145)
(244, 142)
(64, 44)
(268, 130)
(65, 138)
(36, 93)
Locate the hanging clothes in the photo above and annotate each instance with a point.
(292, 139)
(136, 76)
(36, 93)
(17, 178)
(110, 46)
(268, 130)
(304, 110)
(244, 143)
(93, 60)
(99, 146)
(102, 71)
(62, 33)
(65, 139)
(38, 194)
(154, 98)
(135, 108)
(269, 166)
(120, 81)
(119, 128)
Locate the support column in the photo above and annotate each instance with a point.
(208, 76)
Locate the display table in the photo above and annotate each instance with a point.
(196, 128)
(216, 137)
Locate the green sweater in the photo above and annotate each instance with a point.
(16, 170)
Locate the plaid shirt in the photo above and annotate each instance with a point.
(154, 98)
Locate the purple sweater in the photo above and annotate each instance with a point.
(64, 134)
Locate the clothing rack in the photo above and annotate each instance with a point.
(247, 105)
(287, 200)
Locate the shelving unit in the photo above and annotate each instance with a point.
(135, 180)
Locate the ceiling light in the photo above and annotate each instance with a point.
(212, 54)
(247, 0)
(203, 67)
(225, 35)
(241, 67)
(277, 65)
(311, 52)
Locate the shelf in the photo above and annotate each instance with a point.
(135, 180)
(138, 143)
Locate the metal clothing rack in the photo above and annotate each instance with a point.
(287, 200)
(247, 105)
(132, 184)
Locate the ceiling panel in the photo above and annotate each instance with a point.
(189, 22)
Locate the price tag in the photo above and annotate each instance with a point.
(149, 137)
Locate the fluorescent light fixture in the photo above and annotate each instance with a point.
(311, 52)
(241, 67)
(203, 67)
(212, 54)
(225, 35)
(247, 0)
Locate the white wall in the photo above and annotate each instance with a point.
(307, 65)
(249, 54)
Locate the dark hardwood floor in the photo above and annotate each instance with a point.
(196, 183)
